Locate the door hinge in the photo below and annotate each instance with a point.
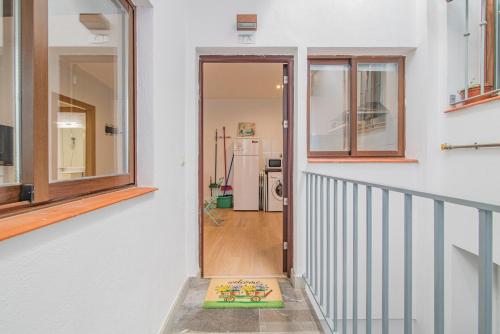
(285, 80)
(285, 124)
(28, 192)
(285, 245)
(285, 201)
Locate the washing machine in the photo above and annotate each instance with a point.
(274, 191)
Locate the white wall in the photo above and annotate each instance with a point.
(267, 114)
(116, 270)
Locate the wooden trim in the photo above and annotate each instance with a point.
(362, 160)
(244, 59)
(354, 107)
(36, 219)
(472, 104)
(290, 141)
(354, 61)
(13, 207)
(10, 194)
(73, 188)
(34, 65)
(290, 169)
(490, 44)
(201, 157)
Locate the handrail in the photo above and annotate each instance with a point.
(325, 245)
(447, 147)
(418, 193)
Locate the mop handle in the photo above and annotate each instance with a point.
(228, 174)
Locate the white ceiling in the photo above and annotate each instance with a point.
(242, 80)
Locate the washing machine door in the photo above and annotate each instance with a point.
(277, 190)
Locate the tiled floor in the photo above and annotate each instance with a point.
(295, 317)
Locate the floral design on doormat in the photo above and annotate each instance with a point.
(243, 293)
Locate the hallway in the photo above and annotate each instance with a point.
(296, 316)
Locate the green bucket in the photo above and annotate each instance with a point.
(225, 202)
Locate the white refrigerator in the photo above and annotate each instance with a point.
(246, 173)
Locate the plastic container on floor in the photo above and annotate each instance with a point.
(225, 202)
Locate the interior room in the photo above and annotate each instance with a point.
(242, 169)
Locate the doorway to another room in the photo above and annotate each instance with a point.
(245, 166)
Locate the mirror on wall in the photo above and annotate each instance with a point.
(472, 50)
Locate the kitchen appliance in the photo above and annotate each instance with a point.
(273, 164)
(274, 191)
(246, 173)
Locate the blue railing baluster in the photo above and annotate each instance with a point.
(385, 261)
(308, 234)
(316, 201)
(354, 258)
(335, 256)
(368, 260)
(408, 264)
(344, 257)
(328, 251)
(485, 311)
(322, 243)
(438, 267)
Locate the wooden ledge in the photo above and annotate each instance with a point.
(363, 160)
(38, 218)
(472, 104)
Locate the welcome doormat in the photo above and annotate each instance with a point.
(243, 293)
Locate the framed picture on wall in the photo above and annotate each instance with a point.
(246, 129)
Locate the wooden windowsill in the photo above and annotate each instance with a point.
(472, 104)
(362, 160)
(38, 218)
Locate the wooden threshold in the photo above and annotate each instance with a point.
(33, 220)
(362, 160)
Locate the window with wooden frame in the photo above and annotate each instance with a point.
(473, 57)
(67, 99)
(356, 107)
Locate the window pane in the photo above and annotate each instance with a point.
(377, 107)
(8, 93)
(329, 109)
(88, 86)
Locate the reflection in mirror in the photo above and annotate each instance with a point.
(8, 92)
(88, 81)
(472, 50)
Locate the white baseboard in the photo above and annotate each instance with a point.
(181, 295)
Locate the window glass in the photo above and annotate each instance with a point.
(8, 93)
(377, 109)
(472, 40)
(88, 88)
(329, 109)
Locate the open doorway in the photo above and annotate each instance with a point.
(245, 166)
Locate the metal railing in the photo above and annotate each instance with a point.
(322, 218)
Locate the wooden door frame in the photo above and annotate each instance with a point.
(90, 129)
(288, 231)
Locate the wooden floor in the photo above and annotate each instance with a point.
(246, 243)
